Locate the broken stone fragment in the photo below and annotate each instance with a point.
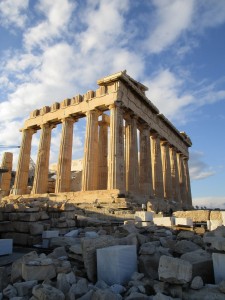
(47, 292)
(197, 283)
(38, 272)
(174, 270)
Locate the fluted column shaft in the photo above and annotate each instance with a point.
(174, 175)
(187, 180)
(103, 154)
(182, 182)
(145, 170)
(40, 184)
(63, 177)
(116, 175)
(157, 166)
(20, 184)
(132, 172)
(90, 162)
(6, 177)
(166, 169)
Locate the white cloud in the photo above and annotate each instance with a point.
(105, 24)
(172, 17)
(13, 13)
(209, 202)
(167, 93)
(54, 24)
(198, 168)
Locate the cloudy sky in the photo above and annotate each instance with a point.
(52, 50)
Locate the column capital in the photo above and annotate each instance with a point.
(31, 130)
(47, 125)
(116, 104)
(155, 135)
(93, 111)
(164, 143)
(69, 119)
(144, 126)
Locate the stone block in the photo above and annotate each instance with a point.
(174, 270)
(47, 234)
(45, 291)
(6, 246)
(121, 265)
(183, 221)
(213, 224)
(38, 272)
(219, 267)
(72, 233)
(202, 264)
(91, 234)
(223, 217)
(163, 221)
(143, 216)
(25, 288)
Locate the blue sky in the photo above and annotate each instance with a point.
(52, 50)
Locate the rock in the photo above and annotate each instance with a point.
(202, 264)
(80, 288)
(148, 264)
(76, 249)
(185, 235)
(25, 288)
(117, 288)
(174, 270)
(185, 246)
(160, 296)
(87, 296)
(63, 266)
(62, 241)
(101, 284)
(4, 280)
(10, 291)
(47, 292)
(58, 252)
(208, 292)
(36, 228)
(147, 248)
(137, 296)
(105, 295)
(137, 276)
(62, 283)
(222, 286)
(16, 273)
(89, 247)
(41, 272)
(197, 283)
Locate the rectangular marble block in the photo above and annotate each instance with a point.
(223, 217)
(184, 221)
(6, 246)
(50, 234)
(163, 221)
(143, 216)
(213, 224)
(116, 264)
(218, 267)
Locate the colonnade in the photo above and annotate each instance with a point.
(112, 158)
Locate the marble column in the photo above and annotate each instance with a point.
(6, 177)
(90, 162)
(187, 181)
(166, 169)
(182, 182)
(132, 171)
(63, 176)
(145, 169)
(157, 176)
(40, 185)
(174, 175)
(21, 180)
(116, 174)
(103, 153)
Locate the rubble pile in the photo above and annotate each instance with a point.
(99, 260)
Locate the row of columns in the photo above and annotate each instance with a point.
(160, 171)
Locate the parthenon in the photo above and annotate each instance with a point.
(131, 150)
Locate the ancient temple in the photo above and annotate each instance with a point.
(131, 150)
